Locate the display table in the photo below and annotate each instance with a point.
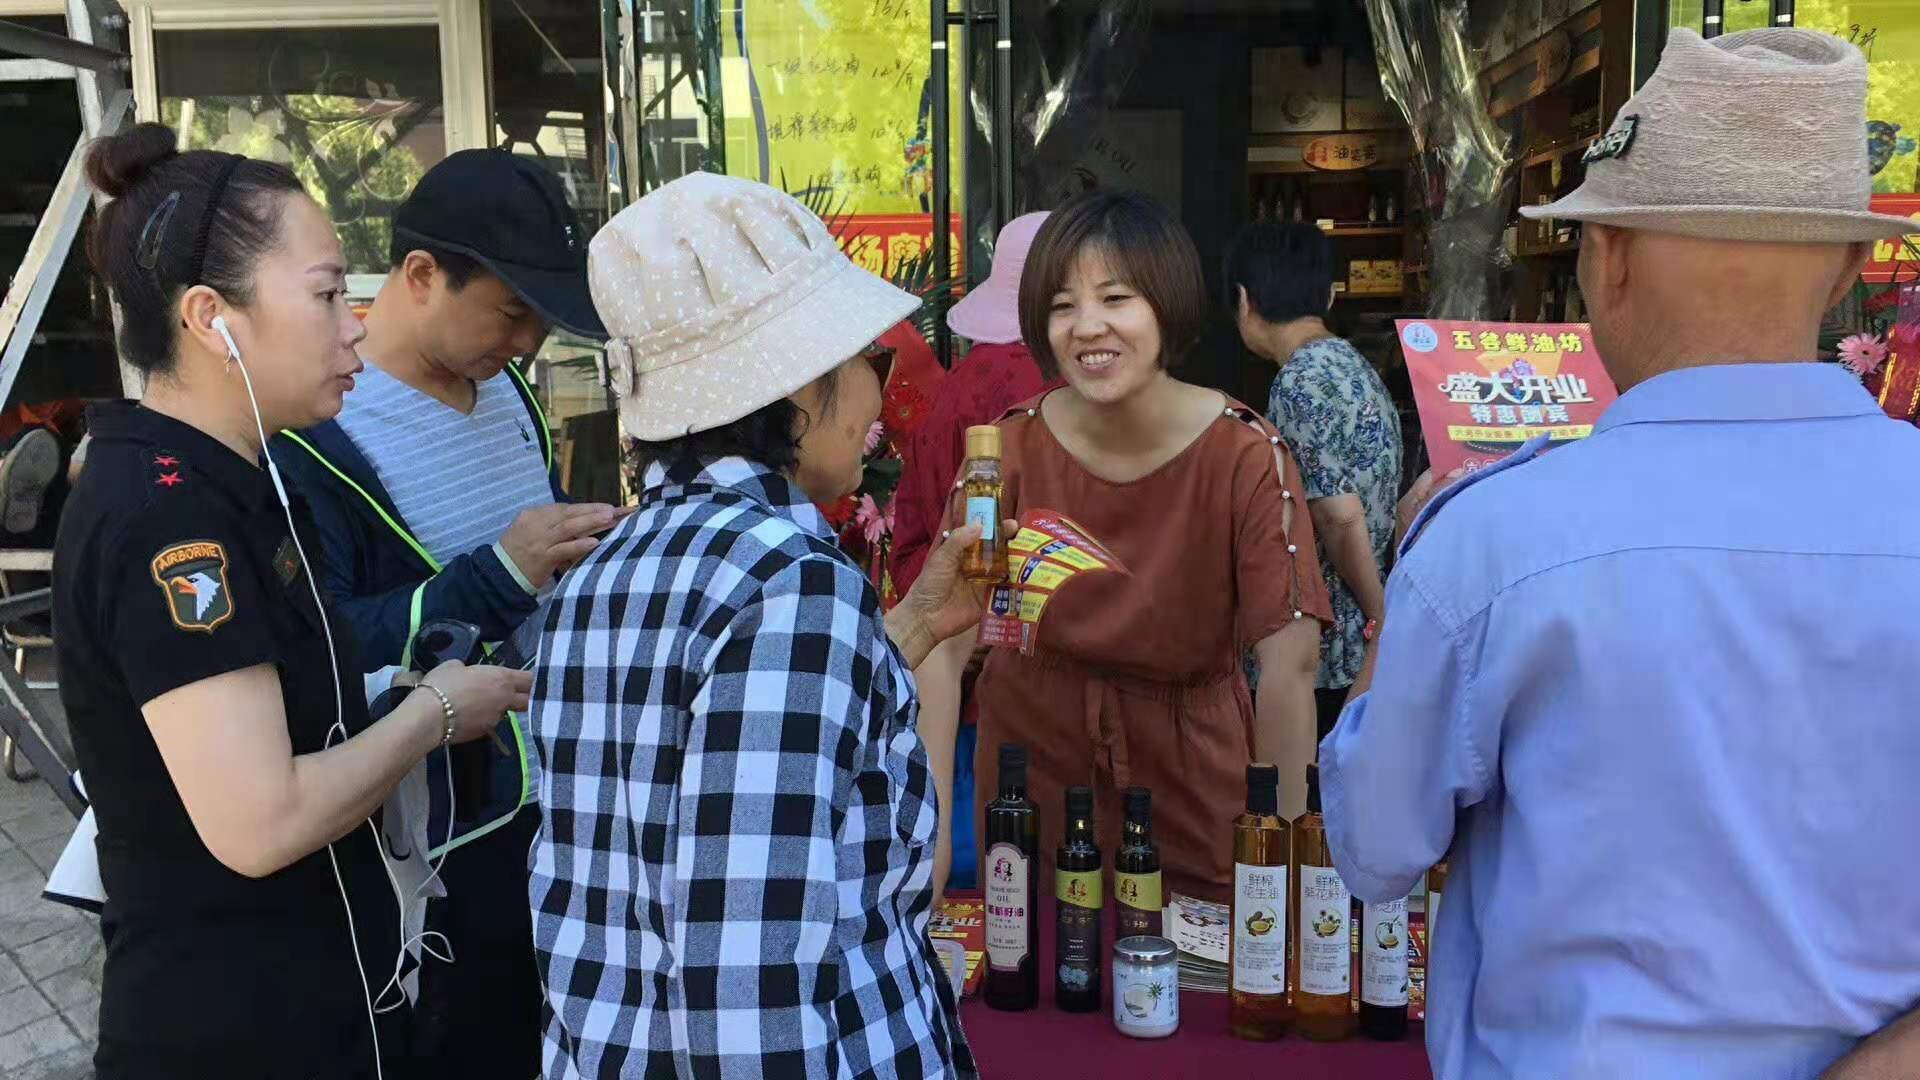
(1044, 1043)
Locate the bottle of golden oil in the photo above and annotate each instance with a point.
(1257, 947)
(980, 483)
(1323, 953)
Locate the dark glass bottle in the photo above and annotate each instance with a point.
(1136, 871)
(1257, 948)
(1013, 929)
(1078, 906)
(1383, 970)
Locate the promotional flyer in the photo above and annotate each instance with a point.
(1484, 388)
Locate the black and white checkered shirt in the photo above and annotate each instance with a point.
(734, 874)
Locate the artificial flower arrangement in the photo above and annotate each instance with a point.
(1875, 333)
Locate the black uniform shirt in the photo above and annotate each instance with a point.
(174, 564)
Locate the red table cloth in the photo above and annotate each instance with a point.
(1045, 1043)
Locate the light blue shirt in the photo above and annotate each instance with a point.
(1659, 693)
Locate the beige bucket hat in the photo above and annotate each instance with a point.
(1759, 135)
(722, 296)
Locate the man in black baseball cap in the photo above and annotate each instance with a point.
(436, 497)
(510, 215)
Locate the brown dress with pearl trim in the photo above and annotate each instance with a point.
(1136, 679)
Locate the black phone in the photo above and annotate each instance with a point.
(438, 641)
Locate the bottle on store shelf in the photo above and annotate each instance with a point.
(1257, 946)
(1013, 929)
(1393, 207)
(1373, 209)
(1300, 203)
(1323, 953)
(980, 478)
(1078, 906)
(1383, 970)
(1136, 871)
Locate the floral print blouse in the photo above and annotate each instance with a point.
(1334, 411)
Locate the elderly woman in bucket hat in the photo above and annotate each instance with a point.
(735, 871)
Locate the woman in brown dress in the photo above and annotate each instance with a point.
(1137, 679)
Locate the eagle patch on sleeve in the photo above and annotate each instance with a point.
(193, 576)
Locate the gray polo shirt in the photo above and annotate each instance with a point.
(458, 480)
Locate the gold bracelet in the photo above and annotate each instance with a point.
(446, 708)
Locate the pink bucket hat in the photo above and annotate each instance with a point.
(991, 313)
(722, 296)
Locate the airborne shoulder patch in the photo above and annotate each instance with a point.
(193, 577)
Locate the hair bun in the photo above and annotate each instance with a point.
(116, 163)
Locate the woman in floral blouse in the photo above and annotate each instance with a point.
(1333, 410)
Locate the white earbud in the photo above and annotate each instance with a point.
(233, 357)
(220, 324)
(339, 705)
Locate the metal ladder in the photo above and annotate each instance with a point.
(87, 54)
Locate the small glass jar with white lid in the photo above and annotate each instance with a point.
(1146, 987)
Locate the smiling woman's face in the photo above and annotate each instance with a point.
(1104, 335)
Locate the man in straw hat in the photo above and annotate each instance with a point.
(1654, 690)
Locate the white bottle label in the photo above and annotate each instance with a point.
(1259, 929)
(984, 512)
(1326, 941)
(1383, 953)
(1007, 912)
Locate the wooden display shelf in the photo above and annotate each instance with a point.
(1376, 294)
(1542, 251)
(1557, 57)
(1366, 230)
(1553, 153)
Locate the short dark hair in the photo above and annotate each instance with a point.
(770, 435)
(147, 241)
(1142, 243)
(460, 269)
(1286, 268)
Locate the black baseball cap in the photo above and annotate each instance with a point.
(510, 214)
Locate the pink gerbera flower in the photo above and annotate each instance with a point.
(874, 434)
(1863, 354)
(874, 524)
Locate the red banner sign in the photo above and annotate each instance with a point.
(1485, 388)
(1892, 256)
(882, 243)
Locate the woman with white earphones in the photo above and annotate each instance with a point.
(221, 727)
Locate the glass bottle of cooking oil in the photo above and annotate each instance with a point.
(1323, 953)
(1136, 871)
(980, 483)
(1257, 949)
(1012, 888)
(1079, 906)
(1383, 970)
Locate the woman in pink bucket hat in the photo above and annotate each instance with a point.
(735, 870)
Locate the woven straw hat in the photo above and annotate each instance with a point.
(722, 296)
(1759, 135)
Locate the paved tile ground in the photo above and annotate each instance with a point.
(50, 954)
